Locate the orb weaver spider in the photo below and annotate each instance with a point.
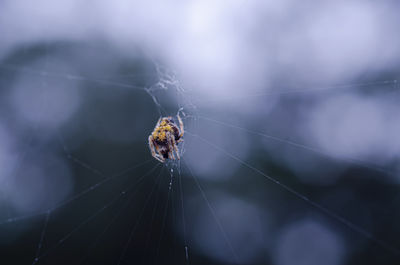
(164, 139)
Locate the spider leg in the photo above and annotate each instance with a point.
(174, 144)
(153, 150)
(170, 145)
(182, 130)
(159, 154)
(151, 146)
(158, 123)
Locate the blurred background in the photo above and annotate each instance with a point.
(291, 149)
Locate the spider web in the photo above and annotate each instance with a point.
(123, 207)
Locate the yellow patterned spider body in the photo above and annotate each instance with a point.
(163, 141)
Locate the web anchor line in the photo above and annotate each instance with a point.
(158, 179)
(183, 219)
(165, 214)
(77, 196)
(203, 194)
(117, 215)
(97, 213)
(347, 159)
(39, 248)
(151, 224)
(316, 205)
(292, 91)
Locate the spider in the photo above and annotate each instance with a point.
(164, 139)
